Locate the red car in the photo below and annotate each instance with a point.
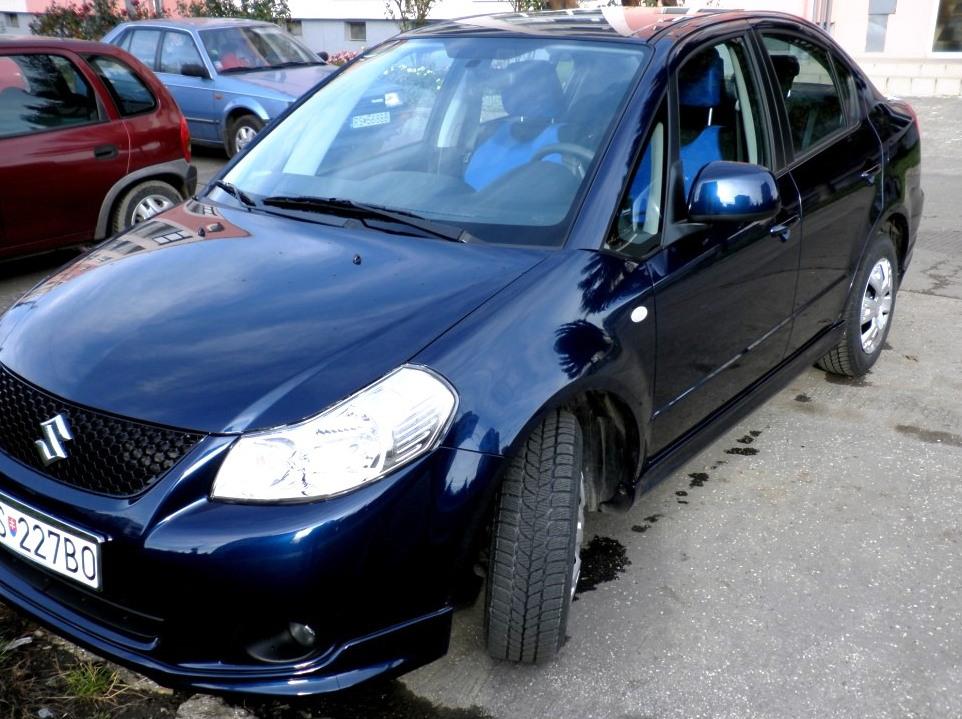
(90, 143)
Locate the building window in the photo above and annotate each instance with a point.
(295, 27)
(356, 31)
(878, 22)
(877, 27)
(948, 27)
(11, 19)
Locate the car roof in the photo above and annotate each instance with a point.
(34, 42)
(643, 24)
(200, 23)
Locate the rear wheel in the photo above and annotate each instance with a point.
(535, 545)
(868, 315)
(143, 201)
(241, 132)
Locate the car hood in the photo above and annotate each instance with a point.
(261, 322)
(293, 81)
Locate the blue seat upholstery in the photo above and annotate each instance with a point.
(533, 99)
(700, 90)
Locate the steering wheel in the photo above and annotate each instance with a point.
(582, 156)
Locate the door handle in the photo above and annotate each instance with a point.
(105, 152)
(783, 230)
(871, 174)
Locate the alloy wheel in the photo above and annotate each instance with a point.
(579, 537)
(876, 305)
(243, 137)
(150, 206)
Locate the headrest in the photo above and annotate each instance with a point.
(787, 68)
(701, 79)
(533, 91)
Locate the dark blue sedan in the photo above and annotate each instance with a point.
(492, 275)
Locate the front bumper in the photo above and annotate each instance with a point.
(191, 585)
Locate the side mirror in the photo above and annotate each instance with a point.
(733, 192)
(193, 69)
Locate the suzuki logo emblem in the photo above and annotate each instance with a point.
(56, 431)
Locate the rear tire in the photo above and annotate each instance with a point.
(143, 201)
(869, 312)
(535, 544)
(241, 132)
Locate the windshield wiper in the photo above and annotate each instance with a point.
(362, 211)
(295, 63)
(236, 192)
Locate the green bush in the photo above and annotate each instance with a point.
(269, 10)
(89, 20)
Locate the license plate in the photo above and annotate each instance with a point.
(39, 538)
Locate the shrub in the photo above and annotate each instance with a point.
(89, 20)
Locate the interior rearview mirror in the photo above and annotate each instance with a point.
(733, 192)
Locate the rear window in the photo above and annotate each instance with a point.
(129, 92)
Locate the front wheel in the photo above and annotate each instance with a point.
(143, 201)
(241, 132)
(535, 544)
(868, 315)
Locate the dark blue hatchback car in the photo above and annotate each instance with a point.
(491, 275)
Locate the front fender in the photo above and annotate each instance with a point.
(264, 108)
(560, 331)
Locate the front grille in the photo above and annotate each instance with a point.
(107, 455)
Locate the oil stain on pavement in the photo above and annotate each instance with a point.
(601, 561)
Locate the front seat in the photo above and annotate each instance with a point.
(534, 100)
(700, 93)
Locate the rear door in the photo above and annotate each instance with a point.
(194, 95)
(836, 160)
(724, 292)
(62, 148)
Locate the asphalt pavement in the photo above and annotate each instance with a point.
(807, 564)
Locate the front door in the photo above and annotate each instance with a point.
(724, 292)
(194, 95)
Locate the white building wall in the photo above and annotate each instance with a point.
(324, 22)
(906, 66)
(14, 18)
(332, 35)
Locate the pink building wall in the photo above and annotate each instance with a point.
(38, 6)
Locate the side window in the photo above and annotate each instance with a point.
(812, 97)
(143, 46)
(639, 217)
(129, 92)
(177, 51)
(45, 92)
(850, 100)
(123, 40)
(719, 110)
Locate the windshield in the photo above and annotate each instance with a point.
(490, 135)
(254, 47)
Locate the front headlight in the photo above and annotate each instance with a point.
(359, 440)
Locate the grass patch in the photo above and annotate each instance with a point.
(92, 682)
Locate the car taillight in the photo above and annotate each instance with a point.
(185, 138)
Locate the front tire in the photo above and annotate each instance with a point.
(241, 132)
(143, 201)
(869, 312)
(535, 544)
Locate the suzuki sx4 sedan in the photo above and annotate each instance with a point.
(490, 276)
